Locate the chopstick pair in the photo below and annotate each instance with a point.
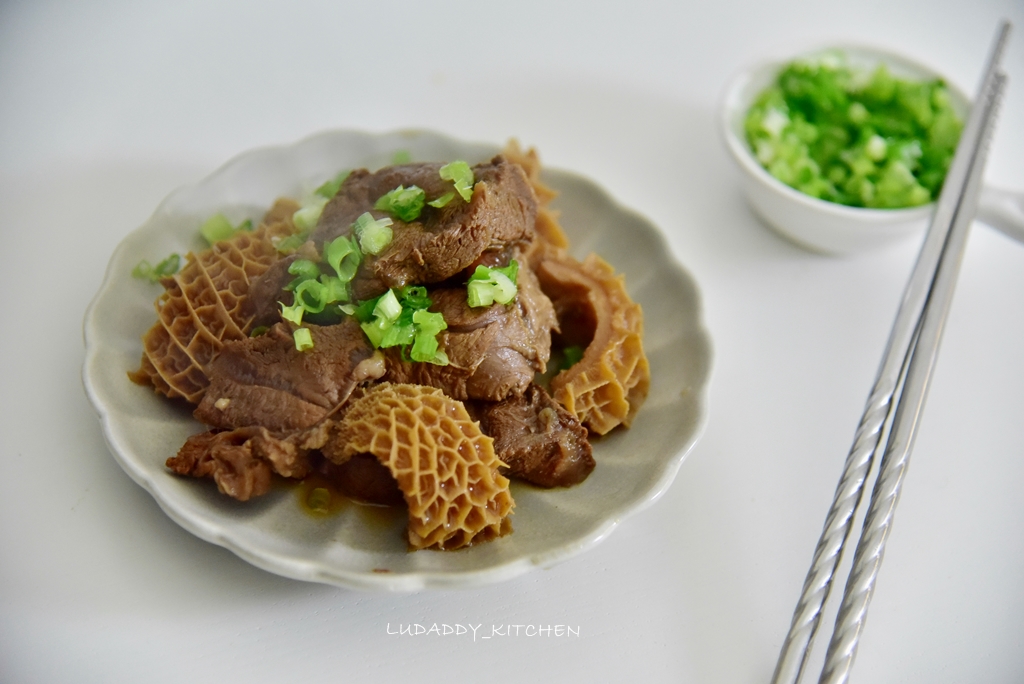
(894, 406)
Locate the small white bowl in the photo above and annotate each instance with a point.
(810, 222)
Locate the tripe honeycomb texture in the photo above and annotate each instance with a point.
(608, 385)
(202, 307)
(444, 465)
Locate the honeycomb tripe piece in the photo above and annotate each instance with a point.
(547, 225)
(444, 465)
(608, 385)
(202, 307)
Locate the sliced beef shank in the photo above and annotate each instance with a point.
(492, 351)
(540, 441)
(442, 241)
(266, 381)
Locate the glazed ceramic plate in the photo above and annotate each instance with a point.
(359, 547)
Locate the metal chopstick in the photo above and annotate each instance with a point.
(878, 521)
(879, 410)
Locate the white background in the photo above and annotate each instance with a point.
(105, 107)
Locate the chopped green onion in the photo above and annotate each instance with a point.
(311, 295)
(489, 285)
(335, 290)
(414, 297)
(290, 244)
(293, 313)
(258, 331)
(330, 188)
(374, 333)
(571, 356)
(428, 325)
(218, 228)
(399, 318)
(443, 200)
(304, 269)
(374, 234)
(397, 335)
(401, 157)
(388, 307)
(855, 138)
(303, 339)
(306, 217)
(319, 500)
(146, 271)
(364, 312)
(344, 256)
(459, 173)
(403, 203)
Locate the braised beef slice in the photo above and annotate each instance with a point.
(539, 440)
(266, 291)
(492, 351)
(266, 381)
(442, 241)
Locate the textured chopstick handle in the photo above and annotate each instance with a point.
(833, 538)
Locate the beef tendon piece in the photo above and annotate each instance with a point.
(238, 460)
(442, 241)
(266, 381)
(204, 306)
(492, 351)
(537, 438)
(242, 461)
(444, 465)
(608, 385)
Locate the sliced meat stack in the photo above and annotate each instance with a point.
(383, 428)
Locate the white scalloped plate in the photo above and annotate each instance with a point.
(355, 548)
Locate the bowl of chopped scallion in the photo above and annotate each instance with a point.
(843, 149)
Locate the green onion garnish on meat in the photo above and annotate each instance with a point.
(489, 285)
(335, 289)
(424, 347)
(414, 297)
(403, 203)
(306, 217)
(443, 200)
(293, 313)
(374, 234)
(311, 295)
(302, 269)
(303, 339)
(461, 175)
(330, 188)
(146, 271)
(399, 318)
(344, 256)
(401, 157)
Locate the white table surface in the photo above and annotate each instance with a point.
(105, 107)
